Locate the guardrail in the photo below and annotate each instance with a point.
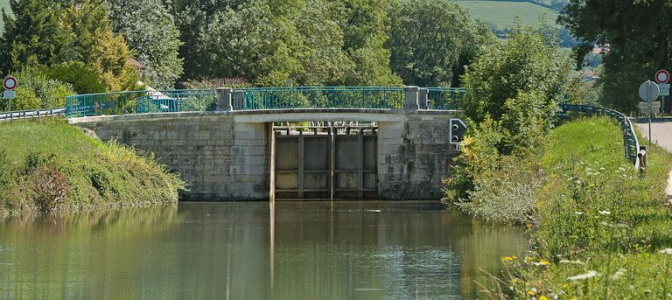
(258, 98)
(633, 152)
(26, 114)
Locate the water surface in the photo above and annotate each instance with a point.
(297, 250)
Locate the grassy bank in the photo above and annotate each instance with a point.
(600, 231)
(49, 165)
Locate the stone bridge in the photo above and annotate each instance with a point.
(396, 153)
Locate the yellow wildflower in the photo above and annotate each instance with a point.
(531, 293)
(543, 298)
(509, 258)
(542, 262)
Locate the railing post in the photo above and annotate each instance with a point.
(423, 98)
(411, 95)
(239, 100)
(224, 99)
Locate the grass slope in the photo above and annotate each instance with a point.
(602, 230)
(501, 13)
(40, 158)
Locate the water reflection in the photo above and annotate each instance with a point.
(253, 251)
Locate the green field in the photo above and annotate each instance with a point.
(501, 13)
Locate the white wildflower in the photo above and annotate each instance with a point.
(573, 262)
(614, 225)
(618, 274)
(578, 213)
(588, 275)
(605, 212)
(667, 251)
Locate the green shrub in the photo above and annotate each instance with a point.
(25, 100)
(83, 79)
(36, 91)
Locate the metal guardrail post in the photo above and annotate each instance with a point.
(641, 157)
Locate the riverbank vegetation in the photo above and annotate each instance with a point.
(599, 230)
(48, 165)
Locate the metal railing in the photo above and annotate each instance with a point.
(630, 142)
(140, 102)
(27, 114)
(259, 98)
(318, 97)
(444, 98)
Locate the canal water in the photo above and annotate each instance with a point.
(297, 250)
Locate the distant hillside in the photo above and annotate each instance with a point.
(501, 13)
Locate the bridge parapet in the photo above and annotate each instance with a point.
(263, 98)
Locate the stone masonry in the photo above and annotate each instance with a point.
(225, 155)
(219, 160)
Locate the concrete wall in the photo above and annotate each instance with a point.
(226, 155)
(414, 155)
(219, 159)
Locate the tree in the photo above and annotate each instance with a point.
(99, 53)
(639, 37)
(192, 18)
(34, 35)
(153, 37)
(431, 50)
(519, 82)
(365, 34)
(252, 43)
(322, 59)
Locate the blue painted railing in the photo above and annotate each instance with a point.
(258, 98)
(444, 98)
(318, 97)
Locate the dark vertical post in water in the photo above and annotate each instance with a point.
(332, 161)
(301, 165)
(271, 248)
(360, 164)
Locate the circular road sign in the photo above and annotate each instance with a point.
(649, 91)
(662, 76)
(10, 83)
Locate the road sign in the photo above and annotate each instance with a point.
(664, 89)
(457, 129)
(662, 76)
(10, 83)
(645, 108)
(9, 94)
(649, 91)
